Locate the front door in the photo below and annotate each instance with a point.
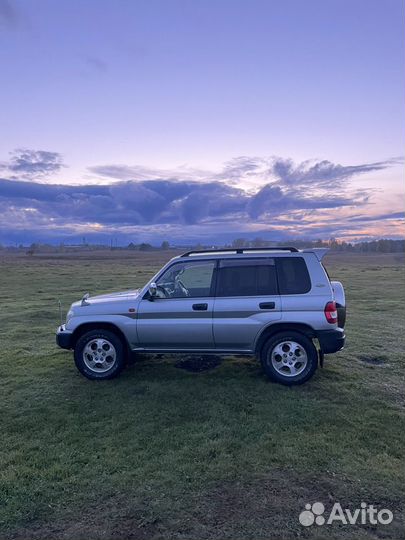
(180, 315)
(246, 301)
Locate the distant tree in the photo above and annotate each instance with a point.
(131, 245)
(165, 245)
(258, 242)
(145, 247)
(239, 243)
(32, 249)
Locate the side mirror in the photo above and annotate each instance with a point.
(152, 290)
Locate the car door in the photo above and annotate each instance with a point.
(180, 316)
(246, 300)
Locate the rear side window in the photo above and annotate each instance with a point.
(254, 277)
(293, 276)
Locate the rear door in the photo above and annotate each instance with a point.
(246, 300)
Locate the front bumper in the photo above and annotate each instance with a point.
(331, 341)
(64, 338)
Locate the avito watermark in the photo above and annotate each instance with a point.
(366, 514)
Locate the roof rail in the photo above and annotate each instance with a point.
(239, 250)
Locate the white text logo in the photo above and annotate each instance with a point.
(367, 514)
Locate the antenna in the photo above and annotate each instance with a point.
(60, 312)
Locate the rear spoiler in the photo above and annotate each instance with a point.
(319, 252)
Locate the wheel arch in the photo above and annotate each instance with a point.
(276, 328)
(86, 327)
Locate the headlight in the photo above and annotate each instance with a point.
(69, 315)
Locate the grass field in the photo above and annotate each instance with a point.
(162, 453)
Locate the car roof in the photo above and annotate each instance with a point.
(244, 253)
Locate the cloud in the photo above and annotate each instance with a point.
(320, 173)
(379, 217)
(163, 201)
(139, 172)
(25, 163)
(245, 171)
(282, 198)
(127, 202)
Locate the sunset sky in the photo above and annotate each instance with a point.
(146, 120)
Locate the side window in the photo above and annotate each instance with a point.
(251, 277)
(188, 279)
(293, 276)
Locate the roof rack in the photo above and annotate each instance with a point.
(239, 250)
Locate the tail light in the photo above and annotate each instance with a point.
(331, 312)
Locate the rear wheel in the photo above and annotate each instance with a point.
(289, 358)
(99, 354)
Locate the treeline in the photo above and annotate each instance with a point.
(148, 247)
(39, 247)
(384, 245)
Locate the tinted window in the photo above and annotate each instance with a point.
(187, 280)
(293, 277)
(247, 278)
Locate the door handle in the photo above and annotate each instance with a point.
(200, 307)
(267, 305)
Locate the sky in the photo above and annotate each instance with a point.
(181, 120)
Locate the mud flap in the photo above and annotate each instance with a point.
(321, 357)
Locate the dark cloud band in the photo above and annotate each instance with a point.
(287, 192)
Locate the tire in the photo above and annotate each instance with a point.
(99, 355)
(289, 358)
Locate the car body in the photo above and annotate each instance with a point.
(229, 301)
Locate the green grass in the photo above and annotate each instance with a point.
(164, 453)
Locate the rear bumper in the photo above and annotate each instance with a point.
(331, 341)
(64, 338)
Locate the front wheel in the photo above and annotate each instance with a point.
(289, 358)
(99, 354)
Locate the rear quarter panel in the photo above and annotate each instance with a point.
(309, 308)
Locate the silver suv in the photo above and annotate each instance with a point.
(275, 303)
